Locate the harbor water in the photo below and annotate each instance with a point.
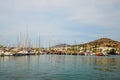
(59, 67)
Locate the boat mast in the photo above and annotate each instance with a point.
(26, 39)
(49, 45)
(18, 42)
(39, 44)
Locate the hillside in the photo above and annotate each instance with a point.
(102, 42)
(60, 45)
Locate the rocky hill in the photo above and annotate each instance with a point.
(102, 42)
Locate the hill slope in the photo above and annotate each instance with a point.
(60, 45)
(102, 42)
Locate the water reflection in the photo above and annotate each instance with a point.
(107, 64)
(103, 69)
(59, 67)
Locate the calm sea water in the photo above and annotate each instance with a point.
(60, 67)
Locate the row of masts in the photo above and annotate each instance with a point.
(27, 42)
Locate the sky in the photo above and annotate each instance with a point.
(59, 21)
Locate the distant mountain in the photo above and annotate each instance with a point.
(60, 45)
(1, 46)
(102, 42)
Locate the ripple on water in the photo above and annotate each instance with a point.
(59, 67)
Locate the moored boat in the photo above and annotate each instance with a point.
(7, 54)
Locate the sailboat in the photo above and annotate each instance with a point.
(21, 51)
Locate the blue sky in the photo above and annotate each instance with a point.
(59, 21)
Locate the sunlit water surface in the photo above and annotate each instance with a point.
(60, 67)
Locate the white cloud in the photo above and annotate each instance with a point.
(54, 17)
(100, 12)
(94, 12)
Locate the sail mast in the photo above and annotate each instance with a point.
(26, 38)
(39, 43)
